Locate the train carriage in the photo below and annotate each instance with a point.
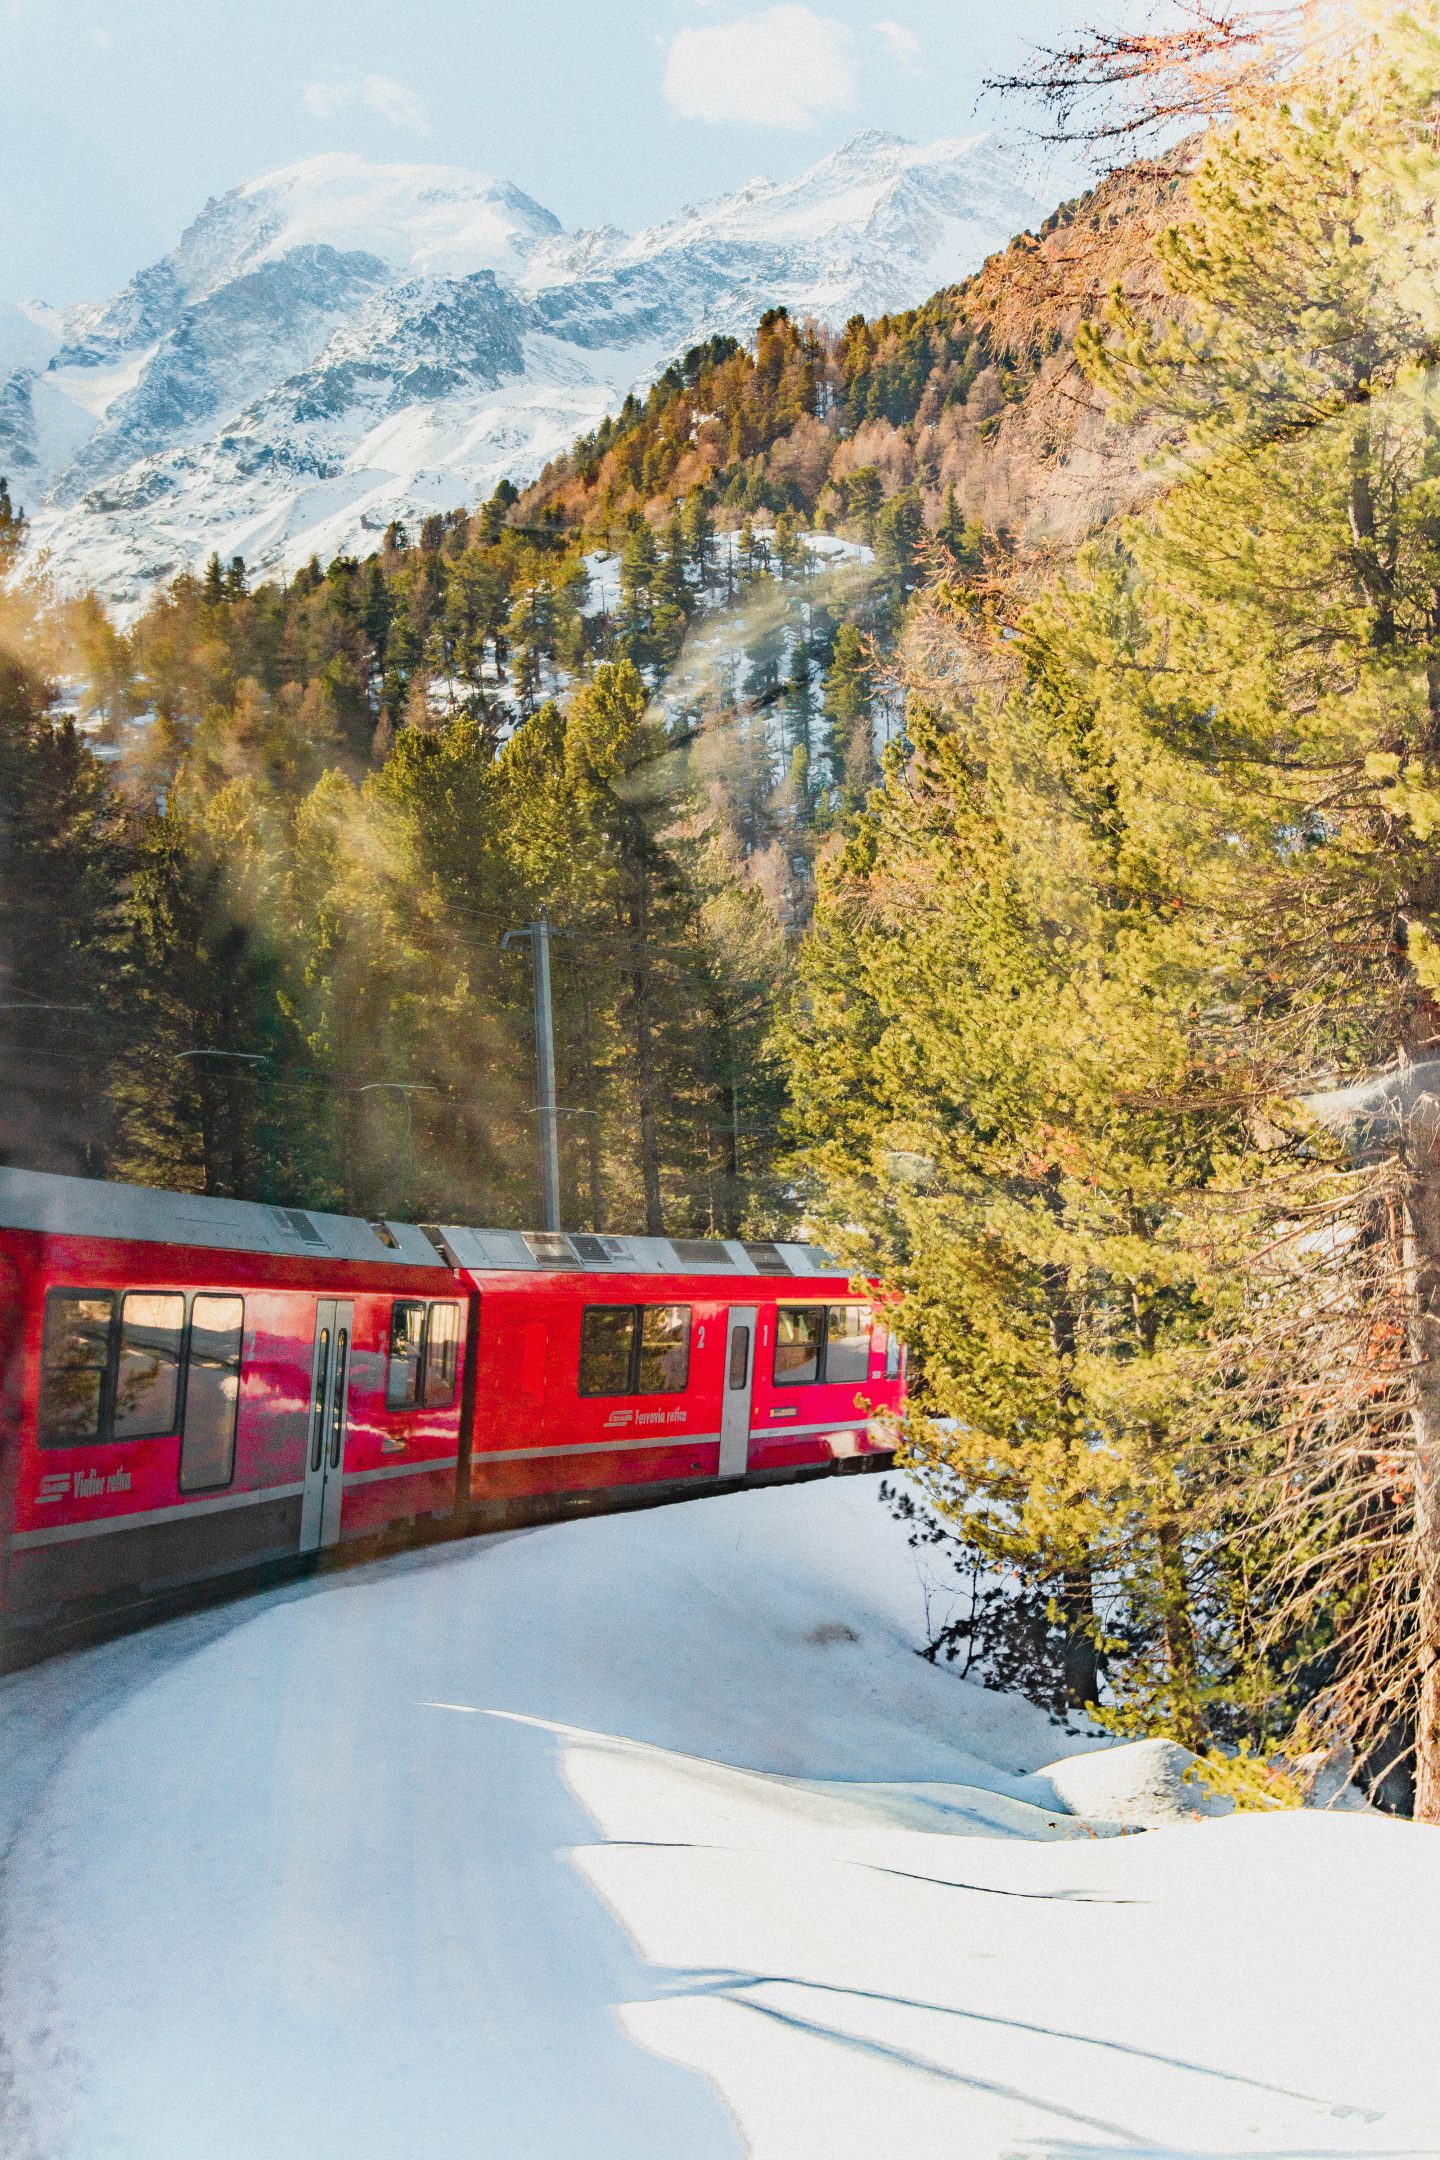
(195, 1388)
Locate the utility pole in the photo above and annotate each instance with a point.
(538, 934)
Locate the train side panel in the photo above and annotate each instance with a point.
(515, 1388)
(536, 1434)
(820, 1420)
(400, 1464)
(105, 1519)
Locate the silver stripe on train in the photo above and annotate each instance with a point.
(60, 1533)
(400, 1469)
(797, 1432)
(633, 1446)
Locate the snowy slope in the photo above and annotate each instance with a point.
(649, 1838)
(340, 343)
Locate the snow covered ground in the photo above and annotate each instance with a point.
(650, 1836)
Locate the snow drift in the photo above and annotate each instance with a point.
(649, 1836)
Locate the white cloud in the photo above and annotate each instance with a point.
(904, 45)
(779, 69)
(378, 93)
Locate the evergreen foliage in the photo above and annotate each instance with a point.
(1089, 984)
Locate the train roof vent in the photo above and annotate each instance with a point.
(597, 1251)
(386, 1236)
(297, 1224)
(768, 1258)
(550, 1248)
(700, 1252)
(441, 1243)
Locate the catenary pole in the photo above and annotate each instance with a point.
(538, 934)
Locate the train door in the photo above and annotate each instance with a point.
(329, 1410)
(735, 1401)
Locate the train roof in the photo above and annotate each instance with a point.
(90, 1207)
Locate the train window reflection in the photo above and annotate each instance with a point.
(147, 1381)
(607, 1335)
(825, 1343)
(739, 1357)
(212, 1393)
(799, 1340)
(664, 1361)
(634, 1349)
(442, 1355)
(847, 1345)
(74, 1366)
(407, 1340)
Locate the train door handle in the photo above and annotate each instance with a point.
(337, 1414)
(317, 1408)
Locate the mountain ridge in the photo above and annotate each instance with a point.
(339, 345)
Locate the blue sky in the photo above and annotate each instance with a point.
(122, 116)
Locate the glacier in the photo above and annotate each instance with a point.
(342, 344)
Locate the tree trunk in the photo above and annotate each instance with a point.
(642, 1026)
(1179, 1634)
(1422, 1285)
(591, 1093)
(1081, 1658)
(727, 1109)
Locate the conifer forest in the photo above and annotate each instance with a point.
(981, 767)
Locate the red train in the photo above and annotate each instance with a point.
(192, 1388)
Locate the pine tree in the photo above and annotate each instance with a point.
(12, 531)
(847, 701)
(962, 541)
(64, 859)
(699, 531)
(954, 1064)
(639, 575)
(194, 1102)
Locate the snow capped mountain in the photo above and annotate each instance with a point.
(29, 337)
(340, 343)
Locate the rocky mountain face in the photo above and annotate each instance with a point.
(341, 344)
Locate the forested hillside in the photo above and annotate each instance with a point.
(322, 804)
(256, 934)
(966, 412)
(644, 696)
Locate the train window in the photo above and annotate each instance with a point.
(607, 1340)
(634, 1349)
(74, 1366)
(664, 1359)
(212, 1393)
(847, 1345)
(442, 1355)
(739, 1356)
(407, 1342)
(826, 1343)
(893, 1355)
(799, 1344)
(147, 1380)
